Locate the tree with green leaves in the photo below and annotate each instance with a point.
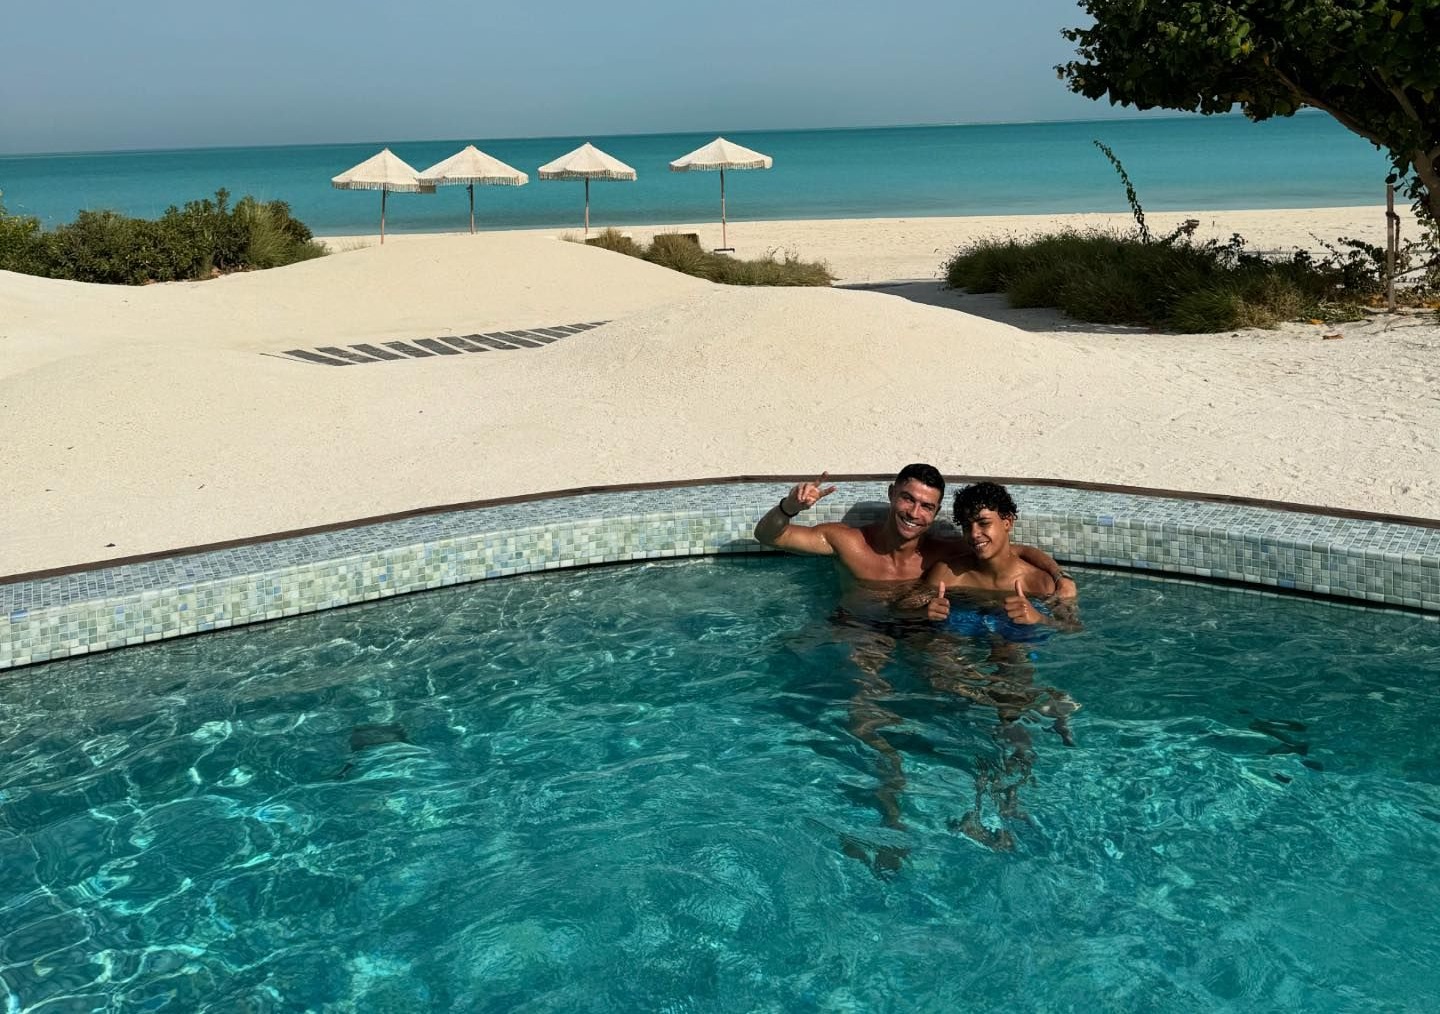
(1373, 66)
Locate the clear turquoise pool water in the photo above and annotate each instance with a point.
(660, 788)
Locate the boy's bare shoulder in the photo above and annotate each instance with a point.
(947, 560)
(950, 549)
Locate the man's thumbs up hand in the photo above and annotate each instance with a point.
(939, 607)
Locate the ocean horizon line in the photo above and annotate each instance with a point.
(1133, 117)
(1221, 162)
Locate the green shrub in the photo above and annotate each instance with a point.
(1175, 283)
(987, 268)
(196, 241)
(203, 238)
(102, 246)
(680, 252)
(1037, 284)
(1102, 292)
(767, 270)
(1172, 283)
(21, 243)
(1210, 309)
(1274, 297)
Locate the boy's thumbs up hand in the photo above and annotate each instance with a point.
(1018, 607)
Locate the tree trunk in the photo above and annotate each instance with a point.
(1429, 173)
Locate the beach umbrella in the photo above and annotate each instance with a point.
(383, 172)
(587, 163)
(470, 166)
(721, 154)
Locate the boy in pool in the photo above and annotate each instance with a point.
(985, 564)
(986, 567)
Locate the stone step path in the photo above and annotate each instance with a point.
(444, 345)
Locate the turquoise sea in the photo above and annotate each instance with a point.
(1176, 163)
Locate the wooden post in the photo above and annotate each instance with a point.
(724, 240)
(587, 205)
(1392, 245)
(384, 193)
(471, 188)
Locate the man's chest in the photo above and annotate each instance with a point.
(870, 569)
(868, 565)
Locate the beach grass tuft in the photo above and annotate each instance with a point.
(681, 252)
(613, 239)
(348, 245)
(272, 238)
(1174, 284)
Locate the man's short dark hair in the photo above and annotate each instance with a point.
(971, 500)
(929, 475)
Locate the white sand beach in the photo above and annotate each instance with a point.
(144, 419)
(867, 250)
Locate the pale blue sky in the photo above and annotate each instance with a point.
(84, 75)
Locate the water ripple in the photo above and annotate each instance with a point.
(670, 787)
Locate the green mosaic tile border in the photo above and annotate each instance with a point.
(1305, 555)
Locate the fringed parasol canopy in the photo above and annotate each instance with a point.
(587, 163)
(385, 171)
(470, 166)
(720, 155)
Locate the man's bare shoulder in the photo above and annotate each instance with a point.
(1035, 581)
(839, 531)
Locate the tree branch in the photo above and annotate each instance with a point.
(1400, 96)
(1345, 119)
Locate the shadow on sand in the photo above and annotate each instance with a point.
(991, 306)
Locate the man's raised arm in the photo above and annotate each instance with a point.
(775, 529)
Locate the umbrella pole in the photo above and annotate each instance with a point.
(383, 194)
(587, 205)
(471, 188)
(724, 242)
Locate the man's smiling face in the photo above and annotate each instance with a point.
(912, 508)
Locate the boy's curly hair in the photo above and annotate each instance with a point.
(980, 496)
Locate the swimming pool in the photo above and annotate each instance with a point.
(646, 788)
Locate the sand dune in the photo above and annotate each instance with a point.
(144, 419)
(440, 285)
